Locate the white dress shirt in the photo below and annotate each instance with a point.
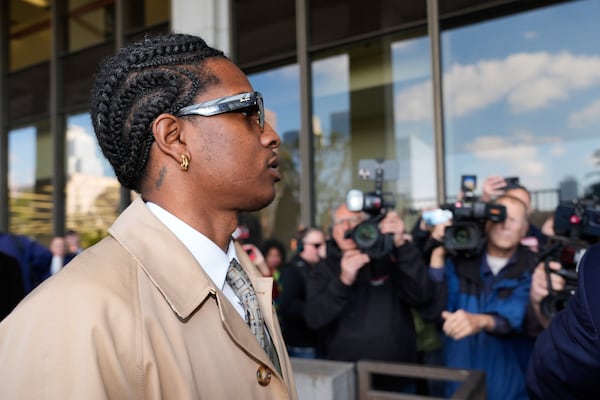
(211, 258)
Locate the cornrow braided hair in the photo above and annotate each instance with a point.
(159, 74)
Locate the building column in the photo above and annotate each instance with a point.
(209, 19)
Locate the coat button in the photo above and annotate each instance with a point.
(263, 375)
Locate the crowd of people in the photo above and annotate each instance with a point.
(170, 301)
(337, 303)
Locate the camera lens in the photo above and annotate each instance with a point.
(462, 236)
(366, 235)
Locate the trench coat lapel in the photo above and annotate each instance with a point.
(182, 281)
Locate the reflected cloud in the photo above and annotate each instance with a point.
(526, 81)
(530, 35)
(526, 161)
(331, 75)
(590, 113)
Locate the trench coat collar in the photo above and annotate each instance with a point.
(181, 280)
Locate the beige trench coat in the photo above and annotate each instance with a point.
(136, 317)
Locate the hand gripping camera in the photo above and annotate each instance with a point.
(576, 226)
(367, 236)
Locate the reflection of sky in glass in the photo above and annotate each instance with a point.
(80, 130)
(522, 96)
(280, 90)
(331, 85)
(21, 158)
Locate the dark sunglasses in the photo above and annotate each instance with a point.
(317, 245)
(252, 101)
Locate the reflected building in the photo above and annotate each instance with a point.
(568, 189)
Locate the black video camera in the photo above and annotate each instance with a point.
(366, 235)
(466, 234)
(576, 226)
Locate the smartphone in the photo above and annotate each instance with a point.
(436, 217)
(468, 183)
(511, 182)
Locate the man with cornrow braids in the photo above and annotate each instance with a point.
(168, 305)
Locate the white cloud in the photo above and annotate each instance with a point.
(522, 157)
(530, 35)
(591, 113)
(526, 81)
(331, 75)
(558, 150)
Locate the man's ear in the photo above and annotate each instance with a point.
(168, 135)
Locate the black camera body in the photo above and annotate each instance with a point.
(466, 235)
(366, 235)
(576, 226)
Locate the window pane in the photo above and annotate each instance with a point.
(29, 92)
(90, 22)
(92, 191)
(30, 169)
(362, 110)
(521, 99)
(332, 20)
(77, 70)
(413, 122)
(280, 88)
(143, 13)
(264, 29)
(30, 38)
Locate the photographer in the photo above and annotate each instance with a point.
(495, 186)
(361, 304)
(483, 303)
(566, 360)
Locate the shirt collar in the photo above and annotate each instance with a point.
(211, 258)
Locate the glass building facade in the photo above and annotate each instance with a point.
(445, 88)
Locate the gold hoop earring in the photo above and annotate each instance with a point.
(185, 162)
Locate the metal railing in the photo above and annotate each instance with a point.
(472, 387)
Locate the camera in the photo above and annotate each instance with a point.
(466, 234)
(366, 235)
(576, 226)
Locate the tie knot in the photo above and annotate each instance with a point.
(238, 279)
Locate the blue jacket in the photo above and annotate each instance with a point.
(504, 354)
(566, 361)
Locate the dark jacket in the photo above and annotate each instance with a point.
(33, 257)
(371, 319)
(11, 284)
(293, 299)
(566, 360)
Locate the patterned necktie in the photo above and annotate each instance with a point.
(242, 287)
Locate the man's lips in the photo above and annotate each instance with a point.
(273, 166)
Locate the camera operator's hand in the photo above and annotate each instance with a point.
(539, 282)
(438, 257)
(460, 324)
(539, 288)
(392, 223)
(352, 261)
(493, 186)
(439, 231)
